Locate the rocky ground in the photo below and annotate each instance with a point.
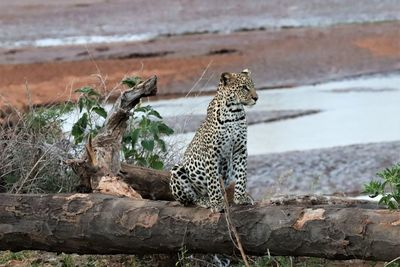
(339, 170)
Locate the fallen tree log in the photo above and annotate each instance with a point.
(104, 224)
(149, 183)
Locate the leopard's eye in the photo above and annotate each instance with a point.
(245, 88)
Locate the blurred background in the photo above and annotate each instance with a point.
(327, 73)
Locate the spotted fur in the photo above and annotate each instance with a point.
(219, 147)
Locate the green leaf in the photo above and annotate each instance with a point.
(144, 123)
(141, 161)
(126, 139)
(374, 188)
(164, 129)
(90, 103)
(391, 174)
(81, 103)
(153, 128)
(132, 81)
(148, 145)
(99, 110)
(155, 114)
(162, 145)
(396, 197)
(392, 205)
(155, 162)
(135, 136)
(87, 90)
(141, 109)
(78, 129)
(158, 165)
(383, 200)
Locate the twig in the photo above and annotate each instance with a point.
(198, 80)
(392, 261)
(231, 226)
(30, 172)
(28, 95)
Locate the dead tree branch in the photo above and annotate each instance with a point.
(102, 156)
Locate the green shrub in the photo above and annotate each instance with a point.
(143, 143)
(89, 104)
(389, 188)
(67, 261)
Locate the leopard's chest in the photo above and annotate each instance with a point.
(232, 133)
(223, 129)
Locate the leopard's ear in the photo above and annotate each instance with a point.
(247, 72)
(226, 78)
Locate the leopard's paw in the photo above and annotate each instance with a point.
(203, 202)
(213, 206)
(244, 199)
(217, 207)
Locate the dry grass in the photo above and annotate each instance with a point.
(32, 154)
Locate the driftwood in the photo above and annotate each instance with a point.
(104, 224)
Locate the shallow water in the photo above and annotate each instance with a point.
(44, 23)
(77, 40)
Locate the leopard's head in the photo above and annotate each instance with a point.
(241, 85)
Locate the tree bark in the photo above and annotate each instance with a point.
(149, 183)
(103, 224)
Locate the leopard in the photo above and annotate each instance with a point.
(218, 149)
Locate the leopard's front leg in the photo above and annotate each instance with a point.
(213, 184)
(239, 172)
